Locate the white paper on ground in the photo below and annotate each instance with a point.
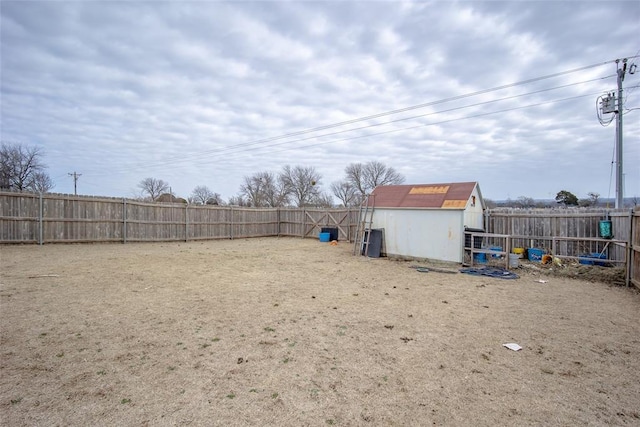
(512, 346)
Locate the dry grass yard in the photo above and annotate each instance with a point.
(294, 332)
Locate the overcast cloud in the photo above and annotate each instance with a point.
(205, 93)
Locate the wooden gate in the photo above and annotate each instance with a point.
(634, 249)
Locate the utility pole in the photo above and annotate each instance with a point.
(608, 105)
(75, 181)
(619, 175)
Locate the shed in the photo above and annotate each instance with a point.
(427, 220)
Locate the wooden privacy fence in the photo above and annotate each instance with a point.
(634, 264)
(54, 218)
(564, 232)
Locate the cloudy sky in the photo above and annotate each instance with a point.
(207, 92)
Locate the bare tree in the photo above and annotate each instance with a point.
(41, 183)
(169, 198)
(525, 202)
(368, 176)
(19, 165)
(237, 200)
(323, 200)
(202, 195)
(491, 204)
(345, 192)
(215, 200)
(153, 187)
(303, 183)
(252, 191)
(264, 189)
(376, 173)
(355, 177)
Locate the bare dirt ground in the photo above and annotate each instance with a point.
(297, 332)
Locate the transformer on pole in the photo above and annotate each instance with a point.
(612, 103)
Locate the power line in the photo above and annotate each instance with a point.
(414, 117)
(434, 123)
(369, 117)
(245, 152)
(251, 145)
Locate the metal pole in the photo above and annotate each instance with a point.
(124, 220)
(619, 183)
(41, 222)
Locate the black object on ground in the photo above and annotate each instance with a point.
(497, 272)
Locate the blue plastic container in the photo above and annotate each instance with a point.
(535, 254)
(324, 237)
(480, 258)
(497, 249)
(593, 256)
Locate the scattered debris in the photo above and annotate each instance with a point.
(406, 339)
(496, 272)
(388, 326)
(428, 269)
(512, 346)
(541, 281)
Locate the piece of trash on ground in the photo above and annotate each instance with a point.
(496, 272)
(512, 346)
(541, 281)
(437, 270)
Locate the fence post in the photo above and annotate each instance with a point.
(124, 220)
(186, 222)
(40, 233)
(628, 253)
(278, 219)
(231, 225)
(304, 223)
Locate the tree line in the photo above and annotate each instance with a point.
(300, 186)
(22, 169)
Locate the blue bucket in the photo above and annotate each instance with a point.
(497, 249)
(325, 237)
(480, 258)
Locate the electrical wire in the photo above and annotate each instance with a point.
(613, 156)
(244, 153)
(374, 116)
(429, 124)
(238, 148)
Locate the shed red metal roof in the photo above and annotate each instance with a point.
(434, 196)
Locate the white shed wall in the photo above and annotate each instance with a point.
(474, 215)
(422, 233)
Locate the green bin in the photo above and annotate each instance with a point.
(605, 229)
